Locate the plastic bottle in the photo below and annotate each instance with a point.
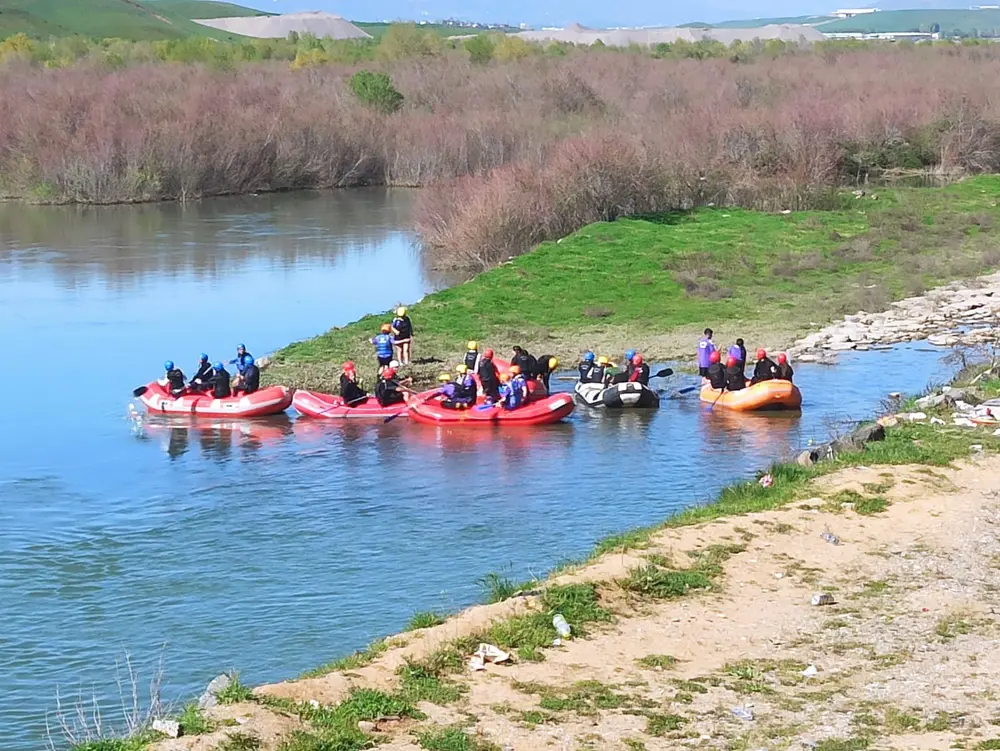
(831, 538)
(561, 626)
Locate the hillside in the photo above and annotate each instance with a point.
(155, 19)
(951, 22)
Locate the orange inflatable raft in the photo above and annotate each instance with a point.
(271, 400)
(766, 395)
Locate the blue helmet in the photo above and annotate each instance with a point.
(248, 360)
(241, 346)
(588, 356)
(218, 366)
(204, 357)
(168, 365)
(629, 354)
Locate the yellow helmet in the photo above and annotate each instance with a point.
(553, 363)
(505, 377)
(602, 360)
(515, 370)
(401, 311)
(461, 368)
(473, 346)
(444, 378)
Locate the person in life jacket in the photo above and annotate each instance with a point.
(735, 379)
(472, 356)
(203, 378)
(627, 368)
(464, 395)
(716, 372)
(705, 350)
(350, 388)
(640, 370)
(489, 377)
(250, 382)
(173, 379)
(739, 352)
(383, 342)
(515, 391)
(765, 369)
(241, 362)
(586, 367)
(525, 361)
(220, 383)
(547, 365)
(600, 371)
(785, 371)
(402, 333)
(388, 390)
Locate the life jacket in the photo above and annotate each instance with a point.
(403, 326)
(586, 372)
(470, 359)
(383, 345)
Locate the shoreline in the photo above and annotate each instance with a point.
(640, 664)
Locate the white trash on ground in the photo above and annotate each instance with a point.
(487, 653)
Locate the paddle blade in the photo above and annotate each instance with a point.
(140, 391)
(664, 373)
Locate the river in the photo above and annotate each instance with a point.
(273, 547)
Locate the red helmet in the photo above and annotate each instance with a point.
(388, 372)
(782, 358)
(715, 356)
(348, 365)
(731, 362)
(637, 360)
(488, 354)
(761, 354)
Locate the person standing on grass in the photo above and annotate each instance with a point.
(472, 355)
(705, 350)
(402, 331)
(383, 342)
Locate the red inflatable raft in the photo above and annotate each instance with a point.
(268, 401)
(315, 404)
(542, 411)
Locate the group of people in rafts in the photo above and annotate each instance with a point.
(214, 379)
(599, 369)
(731, 376)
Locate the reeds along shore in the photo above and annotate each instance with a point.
(512, 153)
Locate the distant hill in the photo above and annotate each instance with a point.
(128, 19)
(950, 22)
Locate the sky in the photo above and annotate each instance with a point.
(598, 13)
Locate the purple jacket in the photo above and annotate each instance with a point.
(705, 350)
(736, 353)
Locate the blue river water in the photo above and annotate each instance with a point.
(274, 546)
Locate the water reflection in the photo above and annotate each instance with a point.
(217, 438)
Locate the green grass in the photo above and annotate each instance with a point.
(843, 744)
(136, 743)
(240, 742)
(194, 722)
(951, 22)
(816, 265)
(870, 506)
(496, 587)
(425, 681)
(352, 661)
(235, 692)
(425, 619)
(453, 739)
(661, 724)
(124, 19)
(663, 662)
(987, 745)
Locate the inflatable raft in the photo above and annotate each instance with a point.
(766, 395)
(542, 411)
(330, 406)
(268, 401)
(617, 395)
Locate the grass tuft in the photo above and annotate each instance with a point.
(661, 724)
(193, 721)
(424, 619)
(235, 692)
(240, 742)
(352, 661)
(663, 662)
(869, 506)
(453, 739)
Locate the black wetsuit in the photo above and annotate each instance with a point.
(742, 359)
(764, 370)
(470, 359)
(221, 387)
(175, 381)
(351, 392)
(404, 328)
(490, 379)
(526, 363)
(387, 392)
(251, 380)
(203, 377)
(717, 375)
(785, 372)
(597, 375)
(587, 372)
(542, 369)
(643, 374)
(735, 379)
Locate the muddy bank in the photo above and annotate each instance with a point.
(960, 313)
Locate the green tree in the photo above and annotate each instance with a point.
(375, 90)
(404, 40)
(480, 49)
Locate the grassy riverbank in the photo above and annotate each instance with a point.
(675, 624)
(654, 283)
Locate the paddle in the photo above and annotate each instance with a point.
(140, 391)
(663, 373)
(357, 400)
(420, 400)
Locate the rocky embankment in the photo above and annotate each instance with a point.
(960, 313)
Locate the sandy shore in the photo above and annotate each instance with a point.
(903, 659)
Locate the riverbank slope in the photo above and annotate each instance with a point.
(703, 633)
(654, 283)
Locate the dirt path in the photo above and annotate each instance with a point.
(904, 659)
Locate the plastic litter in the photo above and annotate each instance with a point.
(824, 598)
(976, 448)
(487, 653)
(831, 538)
(936, 421)
(766, 481)
(810, 671)
(743, 713)
(561, 626)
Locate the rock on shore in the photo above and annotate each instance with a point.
(960, 313)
